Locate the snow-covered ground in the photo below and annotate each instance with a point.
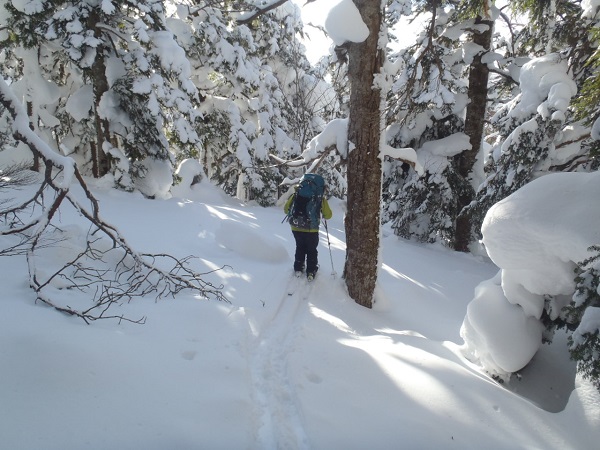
(286, 364)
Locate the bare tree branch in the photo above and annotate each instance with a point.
(106, 268)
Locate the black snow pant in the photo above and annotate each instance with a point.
(306, 249)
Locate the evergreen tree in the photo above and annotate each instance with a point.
(439, 206)
(129, 78)
(260, 96)
(523, 153)
(428, 102)
(537, 132)
(582, 315)
(587, 107)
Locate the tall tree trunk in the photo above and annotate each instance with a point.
(100, 162)
(474, 122)
(35, 166)
(364, 165)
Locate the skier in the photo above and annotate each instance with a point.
(307, 237)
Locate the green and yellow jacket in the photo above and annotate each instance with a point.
(325, 212)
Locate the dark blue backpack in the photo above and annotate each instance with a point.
(305, 210)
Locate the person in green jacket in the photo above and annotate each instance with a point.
(307, 241)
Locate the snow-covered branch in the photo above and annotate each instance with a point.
(102, 265)
(250, 16)
(23, 132)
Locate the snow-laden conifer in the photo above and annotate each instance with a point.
(583, 315)
(259, 94)
(427, 104)
(125, 98)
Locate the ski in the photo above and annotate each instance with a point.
(310, 285)
(293, 283)
(296, 282)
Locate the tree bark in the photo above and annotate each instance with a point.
(35, 166)
(100, 162)
(362, 222)
(474, 123)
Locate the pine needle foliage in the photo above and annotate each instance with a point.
(587, 104)
(584, 342)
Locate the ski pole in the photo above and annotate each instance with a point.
(333, 273)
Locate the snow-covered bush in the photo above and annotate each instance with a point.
(537, 236)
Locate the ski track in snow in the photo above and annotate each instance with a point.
(280, 422)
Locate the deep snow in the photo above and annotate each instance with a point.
(273, 370)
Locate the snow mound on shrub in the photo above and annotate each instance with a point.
(536, 236)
